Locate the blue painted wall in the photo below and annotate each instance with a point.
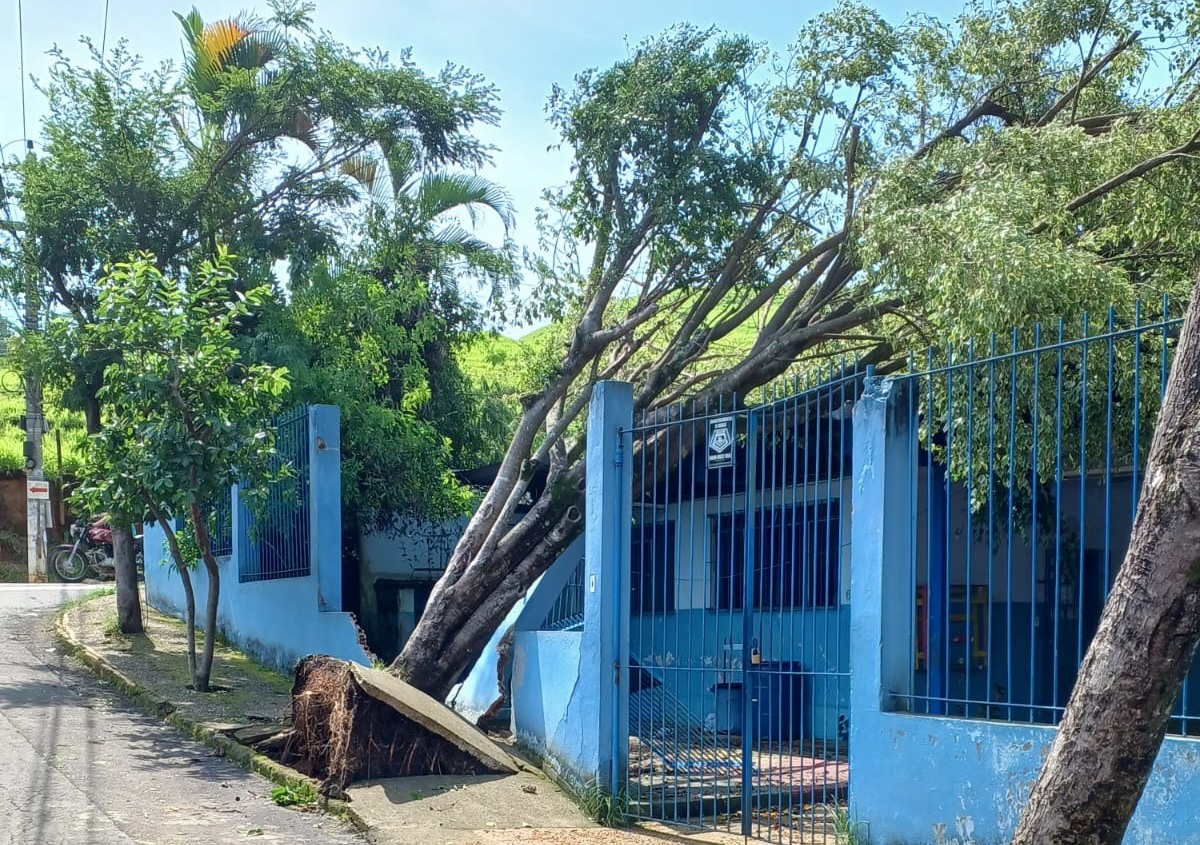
(910, 773)
(554, 706)
(279, 621)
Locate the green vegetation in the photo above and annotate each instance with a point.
(110, 626)
(67, 424)
(294, 795)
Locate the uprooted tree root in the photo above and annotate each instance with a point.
(342, 735)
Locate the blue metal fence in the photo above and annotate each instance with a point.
(220, 524)
(278, 536)
(1029, 457)
(739, 669)
(566, 614)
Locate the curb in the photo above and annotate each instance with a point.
(202, 732)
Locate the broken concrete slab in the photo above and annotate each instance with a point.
(440, 810)
(436, 718)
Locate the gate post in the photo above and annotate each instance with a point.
(604, 650)
(325, 503)
(882, 595)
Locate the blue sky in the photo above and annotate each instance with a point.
(522, 46)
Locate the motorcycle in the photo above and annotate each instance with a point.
(92, 550)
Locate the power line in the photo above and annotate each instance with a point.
(21, 51)
(104, 36)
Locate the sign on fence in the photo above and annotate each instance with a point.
(720, 442)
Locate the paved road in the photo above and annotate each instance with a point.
(80, 766)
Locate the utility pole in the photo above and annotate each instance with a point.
(37, 498)
(37, 490)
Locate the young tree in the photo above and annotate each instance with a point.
(1133, 671)
(185, 417)
(732, 218)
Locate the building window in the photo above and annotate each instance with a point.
(795, 557)
(652, 582)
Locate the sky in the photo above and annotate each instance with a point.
(522, 46)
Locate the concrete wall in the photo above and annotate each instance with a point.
(554, 715)
(278, 621)
(911, 773)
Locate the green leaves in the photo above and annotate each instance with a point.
(185, 416)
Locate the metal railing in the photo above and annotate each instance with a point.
(1028, 461)
(278, 536)
(566, 614)
(220, 524)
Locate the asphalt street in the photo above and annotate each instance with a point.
(80, 766)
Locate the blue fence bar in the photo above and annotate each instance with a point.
(566, 614)
(1028, 469)
(278, 539)
(739, 618)
(220, 524)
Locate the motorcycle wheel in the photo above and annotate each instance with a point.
(68, 566)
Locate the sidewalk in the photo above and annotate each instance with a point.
(254, 703)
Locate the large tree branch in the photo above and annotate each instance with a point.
(985, 108)
(1086, 76)
(1141, 169)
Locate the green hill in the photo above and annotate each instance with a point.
(68, 425)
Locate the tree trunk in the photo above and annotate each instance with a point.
(129, 602)
(189, 596)
(1131, 676)
(204, 670)
(129, 605)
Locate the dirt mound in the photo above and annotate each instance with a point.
(343, 734)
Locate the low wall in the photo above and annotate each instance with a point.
(922, 779)
(279, 620)
(553, 714)
(276, 622)
(912, 773)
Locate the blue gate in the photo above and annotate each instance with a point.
(739, 619)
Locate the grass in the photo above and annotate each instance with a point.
(13, 572)
(111, 626)
(845, 830)
(606, 809)
(85, 598)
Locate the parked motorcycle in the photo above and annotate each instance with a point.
(91, 551)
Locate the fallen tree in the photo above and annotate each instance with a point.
(731, 222)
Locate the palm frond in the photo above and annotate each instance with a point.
(363, 168)
(402, 158)
(258, 49)
(193, 26)
(219, 39)
(440, 193)
(460, 241)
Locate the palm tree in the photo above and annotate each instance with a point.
(424, 212)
